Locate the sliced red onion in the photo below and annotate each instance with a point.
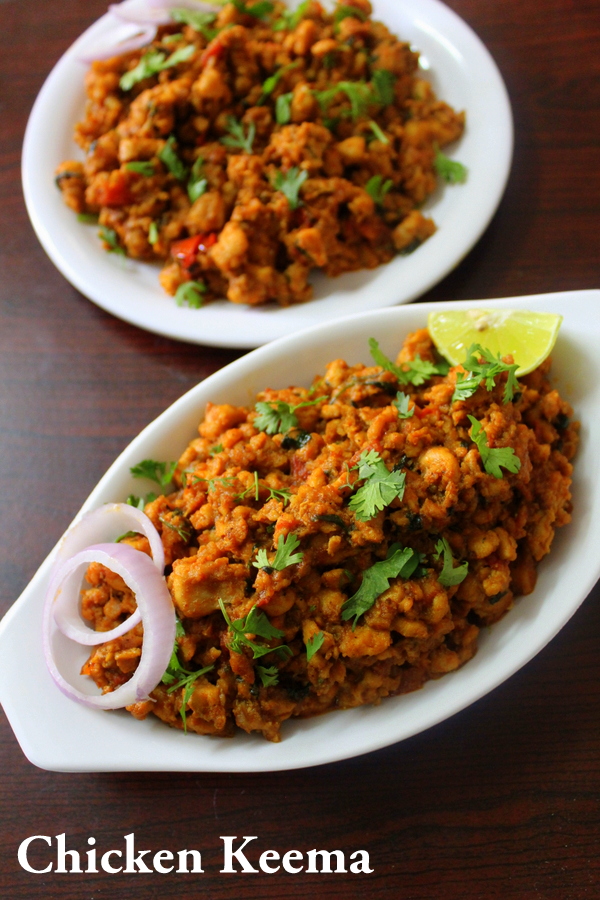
(107, 523)
(104, 524)
(130, 41)
(139, 15)
(156, 612)
(199, 5)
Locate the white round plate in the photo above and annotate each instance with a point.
(462, 73)
(62, 735)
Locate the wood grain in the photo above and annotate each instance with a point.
(501, 801)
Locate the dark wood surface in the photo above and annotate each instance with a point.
(501, 801)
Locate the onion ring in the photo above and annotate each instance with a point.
(143, 35)
(156, 612)
(103, 524)
(131, 13)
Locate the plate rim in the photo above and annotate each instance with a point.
(256, 326)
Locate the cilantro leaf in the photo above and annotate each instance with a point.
(358, 92)
(291, 18)
(313, 644)
(159, 472)
(197, 20)
(197, 185)
(283, 108)
(259, 10)
(345, 11)
(140, 502)
(168, 156)
(493, 458)
(177, 676)
(256, 623)
(141, 168)
(284, 555)
(253, 487)
(190, 293)
(380, 488)
(482, 365)
(237, 138)
(449, 169)
(378, 133)
(152, 63)
(149, 64)
(416, 372)
(277, 417)
(289, 184)
(399, 562)
(401, 404)
(269, 675)
(450, 575)
(273, 80)
(360, 95)
(384, 83)
(377, 188)
(110, 237)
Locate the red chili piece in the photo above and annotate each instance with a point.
(187, 249)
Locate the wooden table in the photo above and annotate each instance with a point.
(501, 801)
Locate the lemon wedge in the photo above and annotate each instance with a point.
(527, 336)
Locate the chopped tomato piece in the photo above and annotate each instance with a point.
(214, 50)
(187, 249)
(115, 192)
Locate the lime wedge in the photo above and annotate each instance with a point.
(528, 336)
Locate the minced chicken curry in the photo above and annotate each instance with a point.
(244, 148)
(332, 546)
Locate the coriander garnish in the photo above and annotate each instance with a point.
(284, 555)
(381, 486)
(493, 458)
(400, 562)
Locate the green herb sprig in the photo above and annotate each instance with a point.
(284, 555)
(197, 185)
(152, 63)
(256, 623)
(141, 168)
(190, 293)
(400, 562)
(494, 459)
(482, 365)
(268, 675)
(199, 21)
(259, 10)
(416, 372)
(277, 417)
(169, 157)
(450, 574)
(291, 18)
(110, 237)
(238, 139)
(289, 183)
(450, 170)
(384, 83)
(159, 472)
(377, 188)
(401, 403)
(380, 488)
(314, 644)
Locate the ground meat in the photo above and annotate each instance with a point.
(241, 167)
(286, 473)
